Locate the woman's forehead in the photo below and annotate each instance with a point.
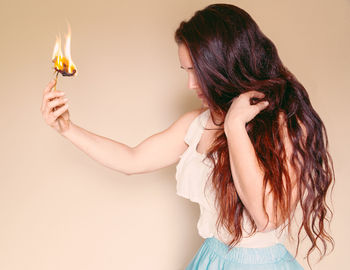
(184, 56)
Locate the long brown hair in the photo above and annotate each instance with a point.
(231, 56)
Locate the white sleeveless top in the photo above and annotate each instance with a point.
(192, 173)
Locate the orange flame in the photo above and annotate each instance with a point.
(63, 64)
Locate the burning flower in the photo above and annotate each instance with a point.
(63, 64)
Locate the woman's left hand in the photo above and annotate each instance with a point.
(241, 111)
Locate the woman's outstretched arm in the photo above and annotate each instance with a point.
(158, 151)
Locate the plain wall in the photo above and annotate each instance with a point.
(59, 209)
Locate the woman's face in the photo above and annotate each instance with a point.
(186, 64)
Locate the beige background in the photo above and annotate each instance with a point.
(59, 209)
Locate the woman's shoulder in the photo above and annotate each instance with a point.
(187, 118)
(183, 123)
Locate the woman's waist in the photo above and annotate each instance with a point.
(208, 227)
(250, 239)
(254, 241)
(267, 254)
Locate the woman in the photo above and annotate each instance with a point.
(254, 151)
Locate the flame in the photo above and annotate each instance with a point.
(63, 64)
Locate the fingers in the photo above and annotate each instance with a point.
(54, 109)
(258, 104)
(254, 93)
(47, 90)
(51, 84)
(56, 103)
(48, 96)
(256, 99)
(59, 111)
(261, 105)
(53, 103)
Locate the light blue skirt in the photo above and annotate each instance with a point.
(214, 255)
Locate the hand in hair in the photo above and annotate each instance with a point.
(242, 111)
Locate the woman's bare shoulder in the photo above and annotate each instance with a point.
(186, 119)
(181, 125)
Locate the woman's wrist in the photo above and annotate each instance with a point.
(66, 133)
(234, 126)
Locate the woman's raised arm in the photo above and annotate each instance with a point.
(246, 172)
(158, 151)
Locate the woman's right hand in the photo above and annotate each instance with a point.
(54, 108)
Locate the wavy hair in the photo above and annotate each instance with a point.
(231, 56)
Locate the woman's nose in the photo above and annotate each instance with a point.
(192, 81)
